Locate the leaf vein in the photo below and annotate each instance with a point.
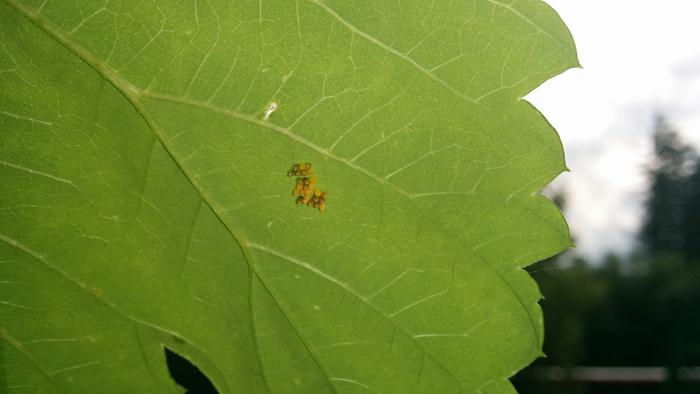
(41, 258)
(350, 290)
(20, 349)
(393, 51)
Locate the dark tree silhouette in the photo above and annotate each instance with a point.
(671, 206)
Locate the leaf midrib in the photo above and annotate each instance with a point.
(131, 93)
(362, 170)
(134, 94)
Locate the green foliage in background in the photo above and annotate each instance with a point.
(145, 202)
(638, 309)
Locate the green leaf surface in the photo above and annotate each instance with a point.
(144, 199)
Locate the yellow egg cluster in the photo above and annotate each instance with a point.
(304, 187)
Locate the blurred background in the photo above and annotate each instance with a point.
(622, 309)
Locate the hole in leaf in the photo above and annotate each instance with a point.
(187, 374)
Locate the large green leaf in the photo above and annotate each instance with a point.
(145, 202)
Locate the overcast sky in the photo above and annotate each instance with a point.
(639, 57)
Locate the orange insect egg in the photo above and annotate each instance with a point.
(307, 195)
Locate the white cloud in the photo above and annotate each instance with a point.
(639, 57)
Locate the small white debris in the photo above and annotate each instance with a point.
(269, 224)
(317, 307)
(270, 109)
